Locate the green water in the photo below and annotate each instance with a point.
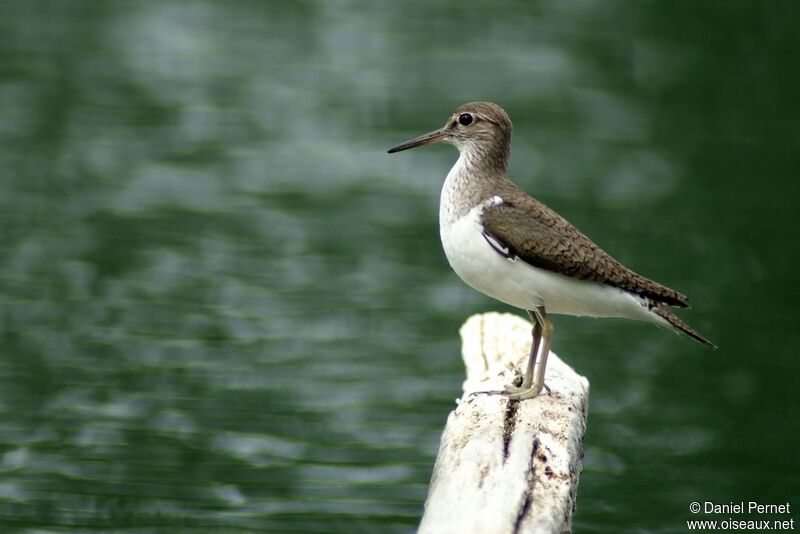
(224, 308)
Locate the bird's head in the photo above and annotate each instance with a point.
(477, 129)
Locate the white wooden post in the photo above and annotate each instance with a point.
(508, 466)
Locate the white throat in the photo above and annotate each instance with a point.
(460, 191)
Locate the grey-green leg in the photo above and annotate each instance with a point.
(540, 350)
(527, 379)
(533, 380)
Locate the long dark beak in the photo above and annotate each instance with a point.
(428, 138)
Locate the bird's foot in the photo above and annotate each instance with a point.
(517, 393)
(522, 393)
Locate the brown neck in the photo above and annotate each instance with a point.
(488, 156)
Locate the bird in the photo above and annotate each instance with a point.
(506, 244)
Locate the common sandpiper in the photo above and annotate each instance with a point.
(509, 246)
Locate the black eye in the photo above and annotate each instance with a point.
(465, 119)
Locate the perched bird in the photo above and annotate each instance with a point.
(510, 246)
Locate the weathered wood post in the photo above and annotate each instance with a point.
(508, 466)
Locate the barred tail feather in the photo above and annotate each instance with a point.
(679, 325)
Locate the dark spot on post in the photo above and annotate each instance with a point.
(528, 495)
(509, 422)
(526, 505)
(484, 472)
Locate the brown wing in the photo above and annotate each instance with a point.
(541, 237)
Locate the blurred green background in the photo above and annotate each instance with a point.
(225, 308)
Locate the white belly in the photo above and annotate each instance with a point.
(520, 284)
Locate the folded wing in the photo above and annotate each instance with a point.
(539, 236)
